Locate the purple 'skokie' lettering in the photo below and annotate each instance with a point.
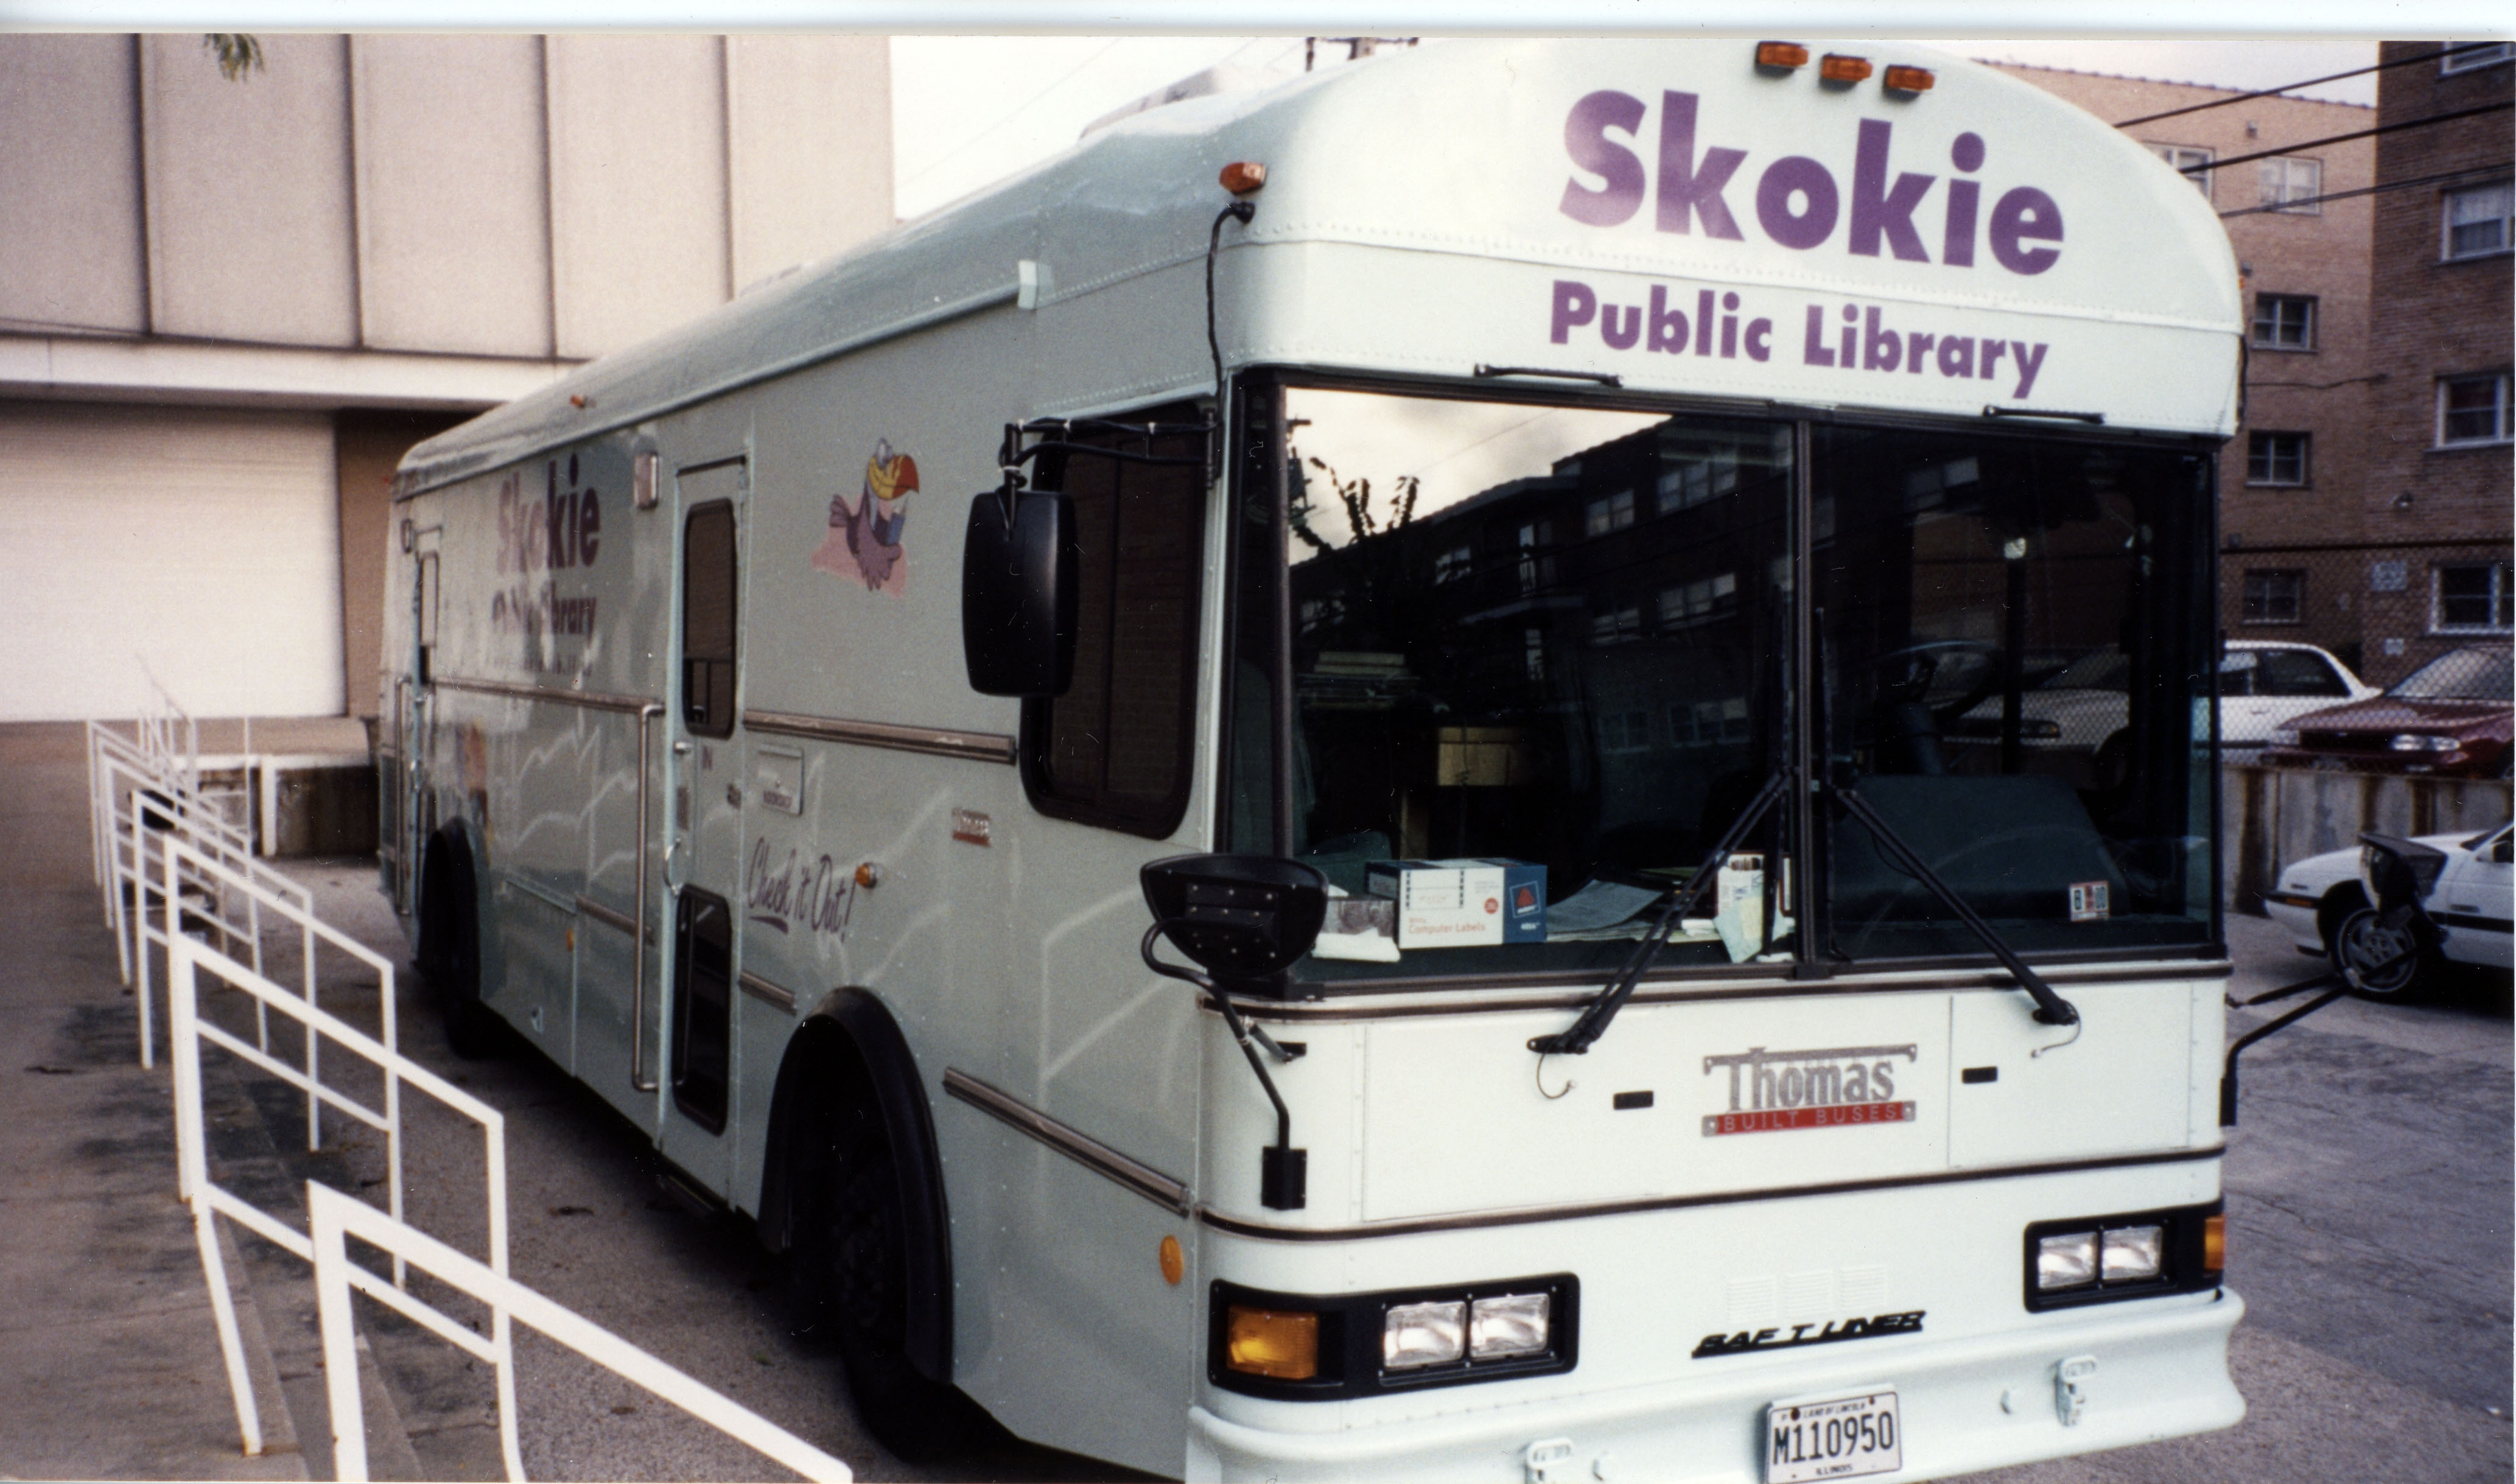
(2024, 214)
(1585, 139)
(1681, 185)
(1875, 208)
(1797, 174)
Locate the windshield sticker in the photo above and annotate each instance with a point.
(2088, 902)
(864, 540)
(1772, 1091)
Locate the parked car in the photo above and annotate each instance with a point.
(2081, 706)
(2453, 716)
(2323, 896)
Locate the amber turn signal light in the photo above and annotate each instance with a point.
(1909, 80)
(1782, 56)
(2215, 1243)
(1283, 1343)
(1836, 68)
(1244, 177)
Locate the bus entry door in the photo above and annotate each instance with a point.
(704, 825)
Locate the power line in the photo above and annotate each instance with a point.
(1012, 113)
(2221, 102)
(2500, 168)
(2342, 139)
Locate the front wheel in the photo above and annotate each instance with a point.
(848, 1275)
(2377, 958)
(449, 958)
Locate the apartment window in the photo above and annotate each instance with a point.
(1533, 650)
(2477, 54)
(1621, 626)
(1695, 601)
(2275, 597)
(1709, 723)
(2472, 410)
(2276, 459)
(1612, 514)
(2184, 157)
(1452, 565)
(2476, 222)
(2291, 184)
(2471, 598)
(2285, 321)
(1624, 731)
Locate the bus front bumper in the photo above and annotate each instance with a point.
(1967, 1404)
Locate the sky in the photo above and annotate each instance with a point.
(1037, 93)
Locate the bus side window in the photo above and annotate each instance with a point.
(1115, 750)
(707, 620)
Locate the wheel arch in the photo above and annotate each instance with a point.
(853, 1021)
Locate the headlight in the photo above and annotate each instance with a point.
(2068, 1261)
(2283, 736)
(2133, 1253)
(1513, 1325)
(2420, 742)
(2135, 1256)
(2042, 728)
(1423, 1335)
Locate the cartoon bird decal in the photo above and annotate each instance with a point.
(864, 540)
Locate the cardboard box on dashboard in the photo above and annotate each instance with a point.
(1463, 903)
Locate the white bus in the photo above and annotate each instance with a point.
(1747, 1038)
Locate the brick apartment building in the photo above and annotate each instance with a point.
(2298, 467)
(2436, 509)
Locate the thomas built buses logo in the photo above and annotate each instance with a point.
(1771, 1091)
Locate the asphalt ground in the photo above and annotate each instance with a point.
(2368, 1192)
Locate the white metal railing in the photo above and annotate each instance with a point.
(337, 1216)
(333, 1215)
(133, 799)
(186, 959)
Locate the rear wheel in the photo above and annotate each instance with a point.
(449, 955)
(849, 1271)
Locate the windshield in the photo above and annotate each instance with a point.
(2458, 674)
(1540, 658)
(2073, 814)
(1542, 636)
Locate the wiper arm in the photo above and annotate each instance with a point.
(1579, 1037)
(2050, 1008)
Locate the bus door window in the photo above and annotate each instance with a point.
(1115, 750)
(702, 1006)
(2016, 676)
(708, 597)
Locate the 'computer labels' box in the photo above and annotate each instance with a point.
(1461, 903)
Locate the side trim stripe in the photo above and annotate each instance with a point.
(591, 700)
(1407, 1228)
(1076, 1145)
(943, 742)
(767, 993)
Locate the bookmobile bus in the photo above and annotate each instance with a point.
(1546, 551)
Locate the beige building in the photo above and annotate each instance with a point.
(2293, 479)
(227, 307)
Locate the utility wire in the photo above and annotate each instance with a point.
(2340, 138)
(2221, 102)
(2502, 168)
(1010, 114)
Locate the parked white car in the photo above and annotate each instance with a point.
(2472, 900)
(2081, 708)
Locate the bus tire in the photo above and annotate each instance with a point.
(850, 1239)
(449, 946)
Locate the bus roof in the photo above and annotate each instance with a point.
(1667, 212)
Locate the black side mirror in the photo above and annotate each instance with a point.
(1019, 564)
(1242, 917)
(1239, 917)
(2398, 873)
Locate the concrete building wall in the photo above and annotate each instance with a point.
(69, 176)
(249, 193)
(326, 260)
(2433, 505)
(453, 193)
(2320, 389)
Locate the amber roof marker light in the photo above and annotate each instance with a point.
(1835, 67)
(1780, 56)
(1908, 80)
(1244, 177)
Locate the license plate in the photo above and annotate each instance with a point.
(1832, 1437)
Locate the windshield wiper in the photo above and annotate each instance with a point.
(2050, 1008)
(1579, 1037)
(1583, 1033)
